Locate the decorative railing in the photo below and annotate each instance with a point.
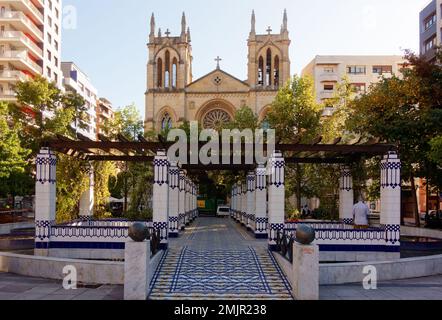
(100, 231)
(105, 223)
(319, 225)
(339, 235)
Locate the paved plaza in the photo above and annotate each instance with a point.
(218, 259)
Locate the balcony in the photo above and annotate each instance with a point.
(327, 94)
(22, 23)
(18, 38)
(26, 6)
(7, 95)
(329, 77)
(20, 60)
(13, 76)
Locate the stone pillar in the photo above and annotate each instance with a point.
(45, 199)
(261, 219)
(391, 199)
(136, 270)
(346, 196)
(161, 197)
(305, 272)
(275, 168)
(174, 193)
(251, 180)
(86, 212)
(182, 200)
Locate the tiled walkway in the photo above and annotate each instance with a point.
(216, 259)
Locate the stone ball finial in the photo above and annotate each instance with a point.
(305, 234)
(138, 232)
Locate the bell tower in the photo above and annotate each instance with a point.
(170, 58)
(268, 58)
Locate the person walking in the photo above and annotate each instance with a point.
(360, 214)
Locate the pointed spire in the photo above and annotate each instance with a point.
(284, 21)
(183, 24)
(253, 22)
(188, 35)
(152, 24)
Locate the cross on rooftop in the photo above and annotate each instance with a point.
(269, 30)
(218, 59)
(167, 33)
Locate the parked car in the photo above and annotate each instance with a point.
(223, 211)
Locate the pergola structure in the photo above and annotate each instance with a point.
(145, 151)
(258, 202)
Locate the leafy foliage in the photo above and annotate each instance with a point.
(12, 153)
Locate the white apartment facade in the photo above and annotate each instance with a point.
(361, 71)
(75, 80)
(30, 43)
(430, 27)
(105, 113)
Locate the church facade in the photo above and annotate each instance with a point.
(174, 97)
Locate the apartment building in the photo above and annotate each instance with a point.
(430, 20)
(361, 72)
(105, 113)
(74, 80)
(30, 42)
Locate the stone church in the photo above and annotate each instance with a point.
(174, 97)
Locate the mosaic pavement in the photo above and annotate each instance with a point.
(216, 259)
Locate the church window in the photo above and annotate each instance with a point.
(276, 72)
(160, 73)
(269, 68)
(261, 71)
(174, 72)
(166, 122)
(216, 119)
(167, 70)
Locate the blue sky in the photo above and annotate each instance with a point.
(109, 41)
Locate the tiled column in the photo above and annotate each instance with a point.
(86, 212)
(195, 199)
(238, 211)
(275, 167)
(182, 200)
(261, 219)
(45, 200)
(174, 194)
(391, 198)
(251, 180)
(187, 187)
(161, 197)
(346, 196)
(244, 205)
(191, 217)
(233, 202)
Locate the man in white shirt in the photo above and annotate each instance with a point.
(360, 214)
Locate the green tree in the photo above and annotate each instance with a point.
(13, 156)
(435, 153)
(406, 111)
(295, 116)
